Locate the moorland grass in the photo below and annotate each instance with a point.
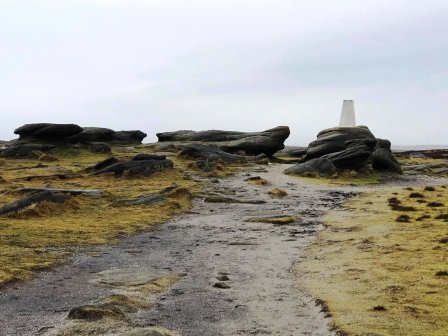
(43, 235)
(366, 259)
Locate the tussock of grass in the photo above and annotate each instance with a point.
(260, 182)
(278, 193)
(159, 285)
(41, 235)
(365, 259)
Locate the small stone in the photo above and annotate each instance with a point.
(222, 278)
(221, 285)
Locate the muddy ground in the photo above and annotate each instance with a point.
(213, 240)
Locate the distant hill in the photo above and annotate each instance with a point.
(418, 147)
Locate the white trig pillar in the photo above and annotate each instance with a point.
(348, 114)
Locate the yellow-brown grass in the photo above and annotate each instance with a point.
(378, 275)
(278, 193)
(41, 235)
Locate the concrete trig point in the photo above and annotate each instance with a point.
(348, 114)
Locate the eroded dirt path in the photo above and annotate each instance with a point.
(214, 239)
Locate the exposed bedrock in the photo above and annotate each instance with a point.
(45, 136)
(47, 131)
(333, 140)
(382, 159)
(71, 133)
(252, 143)
(319, 166)
(136, 167)
(209, 153)
(352, 148)
(354, 156)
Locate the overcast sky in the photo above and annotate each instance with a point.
(163, 65)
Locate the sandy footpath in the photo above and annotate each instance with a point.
(214, 239)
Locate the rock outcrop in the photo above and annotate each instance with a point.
(354, 156)
(352, 148)
(71, 133)
(333, 140)
(319, 166)
(251, 143)
(44, 136)
(140, 166)
(208, 153)
(382, 159)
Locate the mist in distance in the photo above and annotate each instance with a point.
(236, 65)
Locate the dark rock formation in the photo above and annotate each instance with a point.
(143, 157)
(356, 154)
(136, 168)
(383, 143)
(25, 150)
(44, 136)
(333, 140)
(128, 137)
(103, 164)
(251, 143)
(351, 148)
(292, 151)
(159, 197)
(92, 134)
(47, 131)
(209, 153)
(99, 134)
(382, 159)
(39, 197)
(71, 192)
(319, 166)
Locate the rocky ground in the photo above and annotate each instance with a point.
(212, 243)
(223, 268)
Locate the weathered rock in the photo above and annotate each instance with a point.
(136, 168)
(252, 143)
(319, 166)
(229, 200)
(100, 147)
(25, 150)
(71, 134)
(382, 159)
(152, 198)
(383, 143)
(355, 156)
(334, 140)
(292, 151)
(276, 219)
(102, 164)
(143, 157)
(48, 131)
(128, 137)
(73, 192)
(209, 153)
(221, 285)
(92, 134)
(48, 196)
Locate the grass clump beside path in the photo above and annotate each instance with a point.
(378, 273)
(43, 235)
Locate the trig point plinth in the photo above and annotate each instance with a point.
(348, 114)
